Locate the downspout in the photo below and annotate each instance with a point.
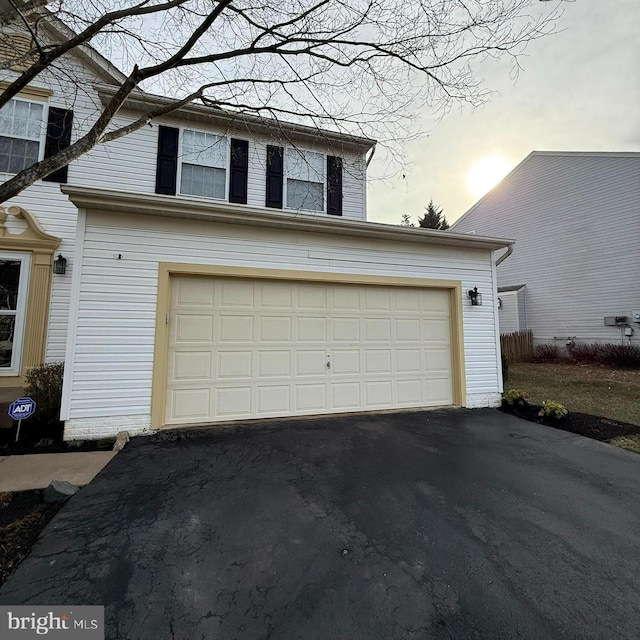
(494, 275)
(505, 255)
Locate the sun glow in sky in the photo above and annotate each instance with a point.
(558, 103)
(486, 173)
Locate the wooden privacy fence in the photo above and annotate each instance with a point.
(517, 347)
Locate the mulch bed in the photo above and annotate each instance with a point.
(584, 424)
(23, 516)
(8, 446)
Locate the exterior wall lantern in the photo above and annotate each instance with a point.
(60, 265)
(499, 303)
(476, 298)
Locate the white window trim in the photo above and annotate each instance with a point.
(21, 310)
(182, 129)
(324, 183)
(43, 130)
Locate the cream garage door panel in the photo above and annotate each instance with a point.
(256, 348)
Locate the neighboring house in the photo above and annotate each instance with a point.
(221, 267)
(573, 274)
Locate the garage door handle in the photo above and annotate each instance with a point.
(328, 364)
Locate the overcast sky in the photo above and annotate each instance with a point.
(579, 90)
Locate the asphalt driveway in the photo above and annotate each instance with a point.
(445, 524)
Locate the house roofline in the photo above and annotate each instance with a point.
(142, 101)
(512, 288)
(486, 195)
(588, 154)
(88, 53)
(222, 212)
(591, 154)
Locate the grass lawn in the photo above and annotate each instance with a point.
(599, 391)
(631, 443)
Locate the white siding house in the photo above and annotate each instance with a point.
(575, 218)
(220, 267)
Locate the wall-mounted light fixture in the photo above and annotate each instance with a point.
(476, 298)
(60, 265)
(499, 303)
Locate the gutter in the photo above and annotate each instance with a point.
(225, 213)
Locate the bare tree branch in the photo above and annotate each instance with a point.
(365, 66)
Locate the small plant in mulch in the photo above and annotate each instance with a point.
(515, 397)
(554, 414)
(552, 410)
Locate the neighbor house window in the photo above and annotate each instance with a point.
(20, 134)
(305, 175)
(204, 162)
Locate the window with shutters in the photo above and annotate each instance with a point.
(203, 164)
(305, 179)
(21, 134)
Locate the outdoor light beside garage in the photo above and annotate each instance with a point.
(213, 315)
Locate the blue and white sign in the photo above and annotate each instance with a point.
(22, 408)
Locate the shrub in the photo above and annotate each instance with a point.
(584, 353)
(608, 354)
(552, 410)
(516, 397)
(620, 355)
(44, 385)
(546, 353)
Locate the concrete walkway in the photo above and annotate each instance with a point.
(21, 473)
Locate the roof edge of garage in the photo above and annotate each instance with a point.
(223, 212)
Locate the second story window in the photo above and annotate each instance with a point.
(305, 177)
(204, 162)
(20, 134)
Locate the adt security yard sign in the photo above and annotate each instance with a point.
(20, 410)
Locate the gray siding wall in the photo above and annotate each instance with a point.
(521, 297)
(576, 222)
(508, 313)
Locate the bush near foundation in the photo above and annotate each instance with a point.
(44, 385)
(546, 353)
(623, 356)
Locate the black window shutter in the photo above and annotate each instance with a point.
(239, 170)
(167, 166)
(58, 138)
(334, 185)
(275, 173)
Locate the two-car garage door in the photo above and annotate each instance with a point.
(251, 348)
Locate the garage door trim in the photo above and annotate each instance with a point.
(167, 270)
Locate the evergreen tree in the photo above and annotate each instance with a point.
(433, 218)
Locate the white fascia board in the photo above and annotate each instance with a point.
(223, 212)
